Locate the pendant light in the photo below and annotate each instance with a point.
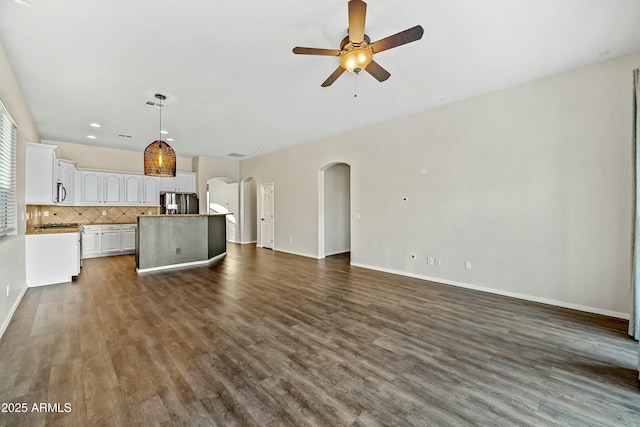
(159, 157)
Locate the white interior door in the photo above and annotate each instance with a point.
(266, 216)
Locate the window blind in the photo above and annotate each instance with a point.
(7, 173)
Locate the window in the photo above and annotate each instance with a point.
(7, 173)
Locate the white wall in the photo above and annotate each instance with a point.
(337, 221)
(531, 184)
(248, 211)
(12, 248)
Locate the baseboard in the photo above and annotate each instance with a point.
(297, 253)
(249, 242)
(547, 301)
(239, 242)
(344, 251)
(184, 264)
(5, 325)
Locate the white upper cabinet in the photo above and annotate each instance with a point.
(185, 182)
(65, 182)
(167, 184)
(40, 163)
(141, 190)
(133, 189)
(101, 188)
(150, 191)
(52, 181)
(90, 188)
(112, 184)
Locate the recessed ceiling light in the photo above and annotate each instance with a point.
(170, 139)
(94, 125)
(164, 132)
(91, 136)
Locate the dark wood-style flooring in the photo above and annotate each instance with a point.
(263, 338)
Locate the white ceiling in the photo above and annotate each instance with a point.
(233, 84)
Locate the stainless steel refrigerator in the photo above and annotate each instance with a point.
(178, 203)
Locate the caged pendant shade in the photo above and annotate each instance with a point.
(159, 157)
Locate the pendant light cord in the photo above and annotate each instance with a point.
(160, 137)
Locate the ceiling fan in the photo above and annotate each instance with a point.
(356, 50)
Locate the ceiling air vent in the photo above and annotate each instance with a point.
(153, 104)
(236, 155)
(124, 136)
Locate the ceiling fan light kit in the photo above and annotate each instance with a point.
(356, 50)
(159, 157)
(356, 60)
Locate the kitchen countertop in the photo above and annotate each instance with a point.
(179, 215)
(54, 230)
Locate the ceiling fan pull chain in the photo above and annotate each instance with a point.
(355, 85)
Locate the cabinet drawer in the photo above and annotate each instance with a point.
(129, 226)
(110, 227)
(91, 228)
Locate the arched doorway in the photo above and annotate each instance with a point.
(222, 197)
(334, 209)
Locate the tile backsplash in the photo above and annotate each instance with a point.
(39, 214)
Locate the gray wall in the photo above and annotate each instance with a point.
(531, 184)
(337, 221)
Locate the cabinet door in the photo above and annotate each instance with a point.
(39, 185)
(129, 239)
(185, 182)
(110, 241)
(112, 194)
(150, 191)
(167, 184)
(90, 244)
(91, 188)
(66, 176)
(52, 258)
(132, 189)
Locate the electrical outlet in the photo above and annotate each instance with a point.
(437, 262)
(356, 215)
(8, 286)
(430, 260)
(467, 265)
(104, 213)
(413, 256)
(45, 213)
(423, 171)
(290, 239)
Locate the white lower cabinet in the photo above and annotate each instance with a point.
(108, 239)
(52, 258)
(129, 237)
(91, 241)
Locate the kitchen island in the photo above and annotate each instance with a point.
(170, 241)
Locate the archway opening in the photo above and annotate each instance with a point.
(222, 197)
(334, 225)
